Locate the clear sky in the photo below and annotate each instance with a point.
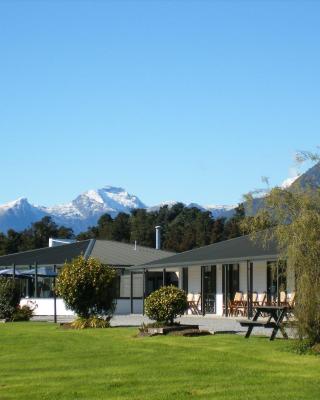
(183, 100)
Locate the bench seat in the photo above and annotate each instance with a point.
(264, 324)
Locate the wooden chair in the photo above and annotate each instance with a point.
(193, 303)
(292, 300)
(262, 299)
(255, 297)
(281, 300)
(235, 304)
(197, 302)
(243, 309)
(291, 303)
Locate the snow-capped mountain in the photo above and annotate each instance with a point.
(19, 214)
(82, 212)
(85, 210)
(169, 203)
(221, 211)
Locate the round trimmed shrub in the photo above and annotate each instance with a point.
(9, 297)
(165, 304)
(88, 287)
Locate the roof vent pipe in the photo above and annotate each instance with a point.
(158, 237)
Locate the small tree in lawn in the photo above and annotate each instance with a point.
(291, 217)
(88, 288)
(166, 304)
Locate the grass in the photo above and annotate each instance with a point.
(43, 361)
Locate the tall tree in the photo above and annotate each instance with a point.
(121, 228)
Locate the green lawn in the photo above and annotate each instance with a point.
(42, 361)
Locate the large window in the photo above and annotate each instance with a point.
(230, 280)
(209, 288)
(124, 285)
(45, 287)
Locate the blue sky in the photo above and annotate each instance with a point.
(193, 101)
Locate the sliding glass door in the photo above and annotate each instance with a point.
(230, 283)
(209, 288)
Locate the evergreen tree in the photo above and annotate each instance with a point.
(233, 227)
(121, 228)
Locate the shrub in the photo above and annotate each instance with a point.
(23, 313)
(92, 322)
(88, 287)
(9, 297)
(165, 304)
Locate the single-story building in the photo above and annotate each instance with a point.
(212, 273)
(43, 262)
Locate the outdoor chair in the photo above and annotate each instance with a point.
(235, 304)
(193, 303)
(255, 299)
(262, 299)
(243, 309)
(292, 300)
(197, 301)
(291, 303)
(281, 300)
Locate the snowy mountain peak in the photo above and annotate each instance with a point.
(289, 182)
(20, 202)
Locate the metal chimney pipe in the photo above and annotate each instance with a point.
(158, 237)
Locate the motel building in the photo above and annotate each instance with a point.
(211, 275)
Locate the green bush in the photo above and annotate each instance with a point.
(165, 304)
(23, 313)
(91, 322)
(88, 287)
(9, 297)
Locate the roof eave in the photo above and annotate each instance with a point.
(188, 264)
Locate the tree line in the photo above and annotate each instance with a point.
(182, 228)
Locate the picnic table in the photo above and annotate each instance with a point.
(276, 315)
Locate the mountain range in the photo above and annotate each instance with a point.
(85, 210)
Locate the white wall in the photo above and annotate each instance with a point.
(45, 306)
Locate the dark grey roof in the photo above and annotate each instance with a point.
(238, 249)
(47, 256)
(107, 251)
(123, 254)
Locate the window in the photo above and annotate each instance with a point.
(185, 277)
(230, 278)
(209, 288)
